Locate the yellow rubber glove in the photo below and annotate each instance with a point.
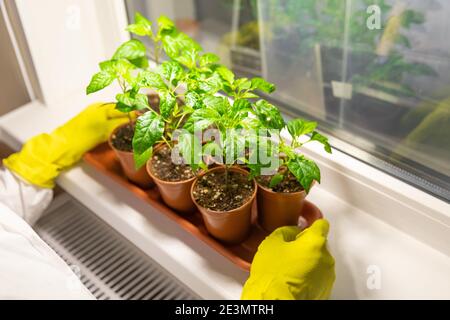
(44, 156)
(291, 264)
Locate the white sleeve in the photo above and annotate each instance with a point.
(26, 200)
(29, 268)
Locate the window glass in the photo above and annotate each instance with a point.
(374, 73)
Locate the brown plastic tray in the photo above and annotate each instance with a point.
(104, 160)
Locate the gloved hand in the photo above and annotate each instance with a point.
(291, 264)
(44, 156)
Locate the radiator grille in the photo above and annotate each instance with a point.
(108, 264)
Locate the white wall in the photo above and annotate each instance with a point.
(67, 39)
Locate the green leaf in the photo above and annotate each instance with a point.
(137, 29)
(171, 71)
(149, 130)
(226, 74)
(167, 103)
(99, 81)
(119, 66)
(188, 58)
(262, 85)
(165, 24)
(421, 69)
(262, 149)
(140, 19)
(122, 67)
(175, 44)
(234, 147)
(130, 50)
(207, 59)
(322, 139)
(190, 149)
(141, 101)
(269, 115)
(211, 148)
(255, 169)
(202, 118)
(130, 101)
(305, 170)
(243, 84)
(249, 95)
(141, 27)
(141, 158)
(220, 104)
(299, 127)
(276, 179)
(149, 79)
(125, 102)
(108, 66)
(171, 46)
(410, 17)
(211, 85)
(240, 108)
(193, 100)
(287, 150)
(141, 62)
(125, 108)
(189, 125)
(241, 104)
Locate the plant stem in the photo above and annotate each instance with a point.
(167, 142)
(156, 57)
(179, 121)
(122, 85)
(226, 178)
(156, 53)
(153, 111)
(176, 88)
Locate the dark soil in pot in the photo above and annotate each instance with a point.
(122, 138)
(281, 205)
(289, 184)
(163, 167)
(121, 142)
(225, 211)
(213, 192)
(174, 181)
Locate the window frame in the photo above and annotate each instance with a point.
(404, 206)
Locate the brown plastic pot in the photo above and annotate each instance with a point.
(176, 194)
(232, 226)
(278, 209)
(139, 177)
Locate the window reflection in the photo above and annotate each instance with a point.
(388, 87)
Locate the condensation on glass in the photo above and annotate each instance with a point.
(374, 73)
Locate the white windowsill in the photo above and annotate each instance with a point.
(398, 228)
